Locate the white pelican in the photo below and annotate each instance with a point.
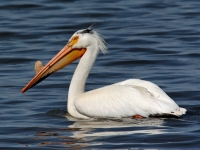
(130, 98)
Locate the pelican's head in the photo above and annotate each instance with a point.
(75, 48)
(87, 37)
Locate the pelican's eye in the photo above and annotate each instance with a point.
(73, 41)
(87, 31)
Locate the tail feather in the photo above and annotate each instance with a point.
(176, 113)
(179, 112)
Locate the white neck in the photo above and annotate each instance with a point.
(77, 85)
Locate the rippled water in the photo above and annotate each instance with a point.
(152, 40)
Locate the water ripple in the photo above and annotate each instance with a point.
(152, 40)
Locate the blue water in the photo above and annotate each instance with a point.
(157, 41)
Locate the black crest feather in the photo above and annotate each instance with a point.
(89, 29)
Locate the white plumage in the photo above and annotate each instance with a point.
(124, 99)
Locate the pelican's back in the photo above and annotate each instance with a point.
(126, 99)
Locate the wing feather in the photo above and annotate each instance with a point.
(127, 98)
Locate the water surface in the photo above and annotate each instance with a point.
(152, 40)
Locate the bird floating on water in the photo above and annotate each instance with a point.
(130, 98)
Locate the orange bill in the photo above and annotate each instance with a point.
(62, 59)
